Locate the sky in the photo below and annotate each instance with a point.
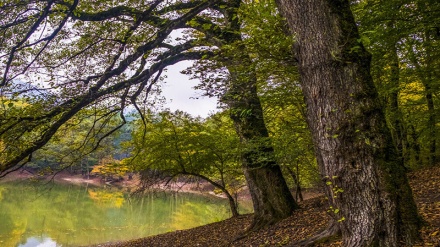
(180, 95)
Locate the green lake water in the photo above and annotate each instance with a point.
(68, 215)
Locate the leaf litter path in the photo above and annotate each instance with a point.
(303, 223)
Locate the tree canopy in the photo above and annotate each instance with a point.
(62, 57)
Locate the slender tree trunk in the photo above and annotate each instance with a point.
(368, 190)
(298, 192)
(424, 68)
(427, 78)
(430, 100)
(393, 102)
(414, 143)
(231, 200)
(431, 126)
(233, 206)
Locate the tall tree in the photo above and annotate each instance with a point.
(270, 194)
(427, 65)
(268, 44)
(402, 37)
(382, 42)
(368, 189)
(284, 111)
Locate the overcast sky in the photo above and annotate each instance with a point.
(181, 96)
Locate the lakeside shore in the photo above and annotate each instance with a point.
(303, 223)
(125, 184)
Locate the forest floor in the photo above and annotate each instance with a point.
(303, 223)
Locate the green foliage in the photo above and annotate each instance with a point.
(64, 57)
(267, 41)
(178, 144)
(404, 42)
(108, 167)
(81, 143)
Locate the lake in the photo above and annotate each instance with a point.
(69, 215)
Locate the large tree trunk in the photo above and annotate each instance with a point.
(367, 186)
(270, 194)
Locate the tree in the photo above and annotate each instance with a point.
(402, 38)
(269, 46)
(284, 112)
(271, 197)
(81, 55)
(113, 53)
(368, 190)
(423, 55)
(386, 67)
(82, 137)
(108, 167)
(173, 145)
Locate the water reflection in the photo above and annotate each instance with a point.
(73, 215)
(39, 242)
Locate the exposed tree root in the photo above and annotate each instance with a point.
(327, 235)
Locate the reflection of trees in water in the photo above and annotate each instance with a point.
(1, 192)
(73, 215)
(107, 198)
(11, 229)
(191, 214)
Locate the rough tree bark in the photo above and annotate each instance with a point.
(270, 194)
(368, 191)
